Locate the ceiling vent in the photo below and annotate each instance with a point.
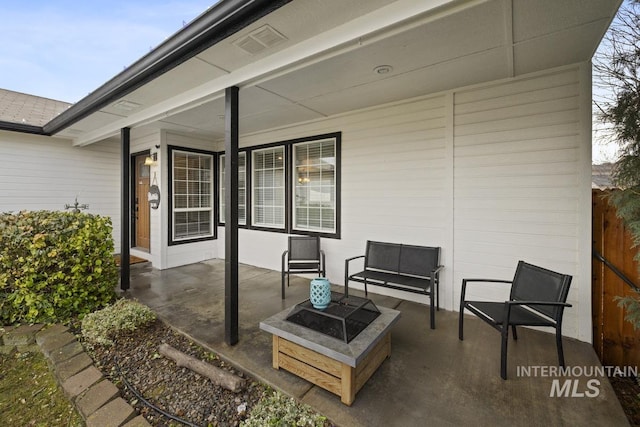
(259, 40)
(124, 105)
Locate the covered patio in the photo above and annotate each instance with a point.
(431, 377)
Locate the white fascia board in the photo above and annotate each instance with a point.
(352, 31)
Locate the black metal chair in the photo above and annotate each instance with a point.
(303, 256)
(538, 298)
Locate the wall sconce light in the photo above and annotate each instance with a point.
(151, 159)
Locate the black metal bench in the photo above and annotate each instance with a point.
(403, 267)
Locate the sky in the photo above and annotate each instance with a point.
(65, 49)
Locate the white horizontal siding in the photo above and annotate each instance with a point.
(517, 178)
(39, 172)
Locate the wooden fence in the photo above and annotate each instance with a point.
(614, 339)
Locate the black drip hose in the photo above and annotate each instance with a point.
(149, 404)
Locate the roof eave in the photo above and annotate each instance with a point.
(222, 20)
(21, 127)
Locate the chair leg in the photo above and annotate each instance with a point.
(559, 345)
(283, 285)
(365, 288)
(432, 313)
(461, 323)
(503, 352)
(515, 334)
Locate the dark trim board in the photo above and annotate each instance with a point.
(125, 214)
(21, 127)
(231, 276)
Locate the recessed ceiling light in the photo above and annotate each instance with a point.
(383, 69)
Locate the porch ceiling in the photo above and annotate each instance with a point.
(325, 63)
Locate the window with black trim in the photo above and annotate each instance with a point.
(289, 187)
(314, 183)
(242, 188)
(191, 202)
(268, 187)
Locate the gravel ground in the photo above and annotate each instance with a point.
(628, 391)
(176, 390)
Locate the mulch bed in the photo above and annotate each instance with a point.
(628, 392)
(175, 390)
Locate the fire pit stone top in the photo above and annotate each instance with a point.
(348, 353)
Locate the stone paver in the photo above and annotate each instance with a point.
(81, 381)
(97, 396)
(51, 343)
(45, 333)
(23, 335)
(66, 352)
(113, 414)
(68, 368)
(138, 421)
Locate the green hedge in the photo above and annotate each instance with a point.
(54, 266)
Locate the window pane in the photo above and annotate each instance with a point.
(192, 195)
(314, 185)
(268, 187)
(180, 187)
(180, 202)
(242, 188)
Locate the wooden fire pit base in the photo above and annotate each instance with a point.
(330, 374)
(339, 367)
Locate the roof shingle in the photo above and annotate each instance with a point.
(16, 107)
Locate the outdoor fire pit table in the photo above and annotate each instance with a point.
(333, 364)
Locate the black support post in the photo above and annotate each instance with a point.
(125, 213)
(231, 216)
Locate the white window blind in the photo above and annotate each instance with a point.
(192, 195)
(268, 199)
(242, 188)
(314, 180)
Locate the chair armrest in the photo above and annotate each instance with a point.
(487, 280)
(558, 303)
(284, 257)
(346, 273)
(352, 258)
(465, 281)
(509, 304)
(346, 268)
(437, 269)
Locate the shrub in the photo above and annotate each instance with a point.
(276, 409)
(54, 266)
(632, 305)
(102, 326)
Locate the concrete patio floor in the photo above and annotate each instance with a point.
(432, 378)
